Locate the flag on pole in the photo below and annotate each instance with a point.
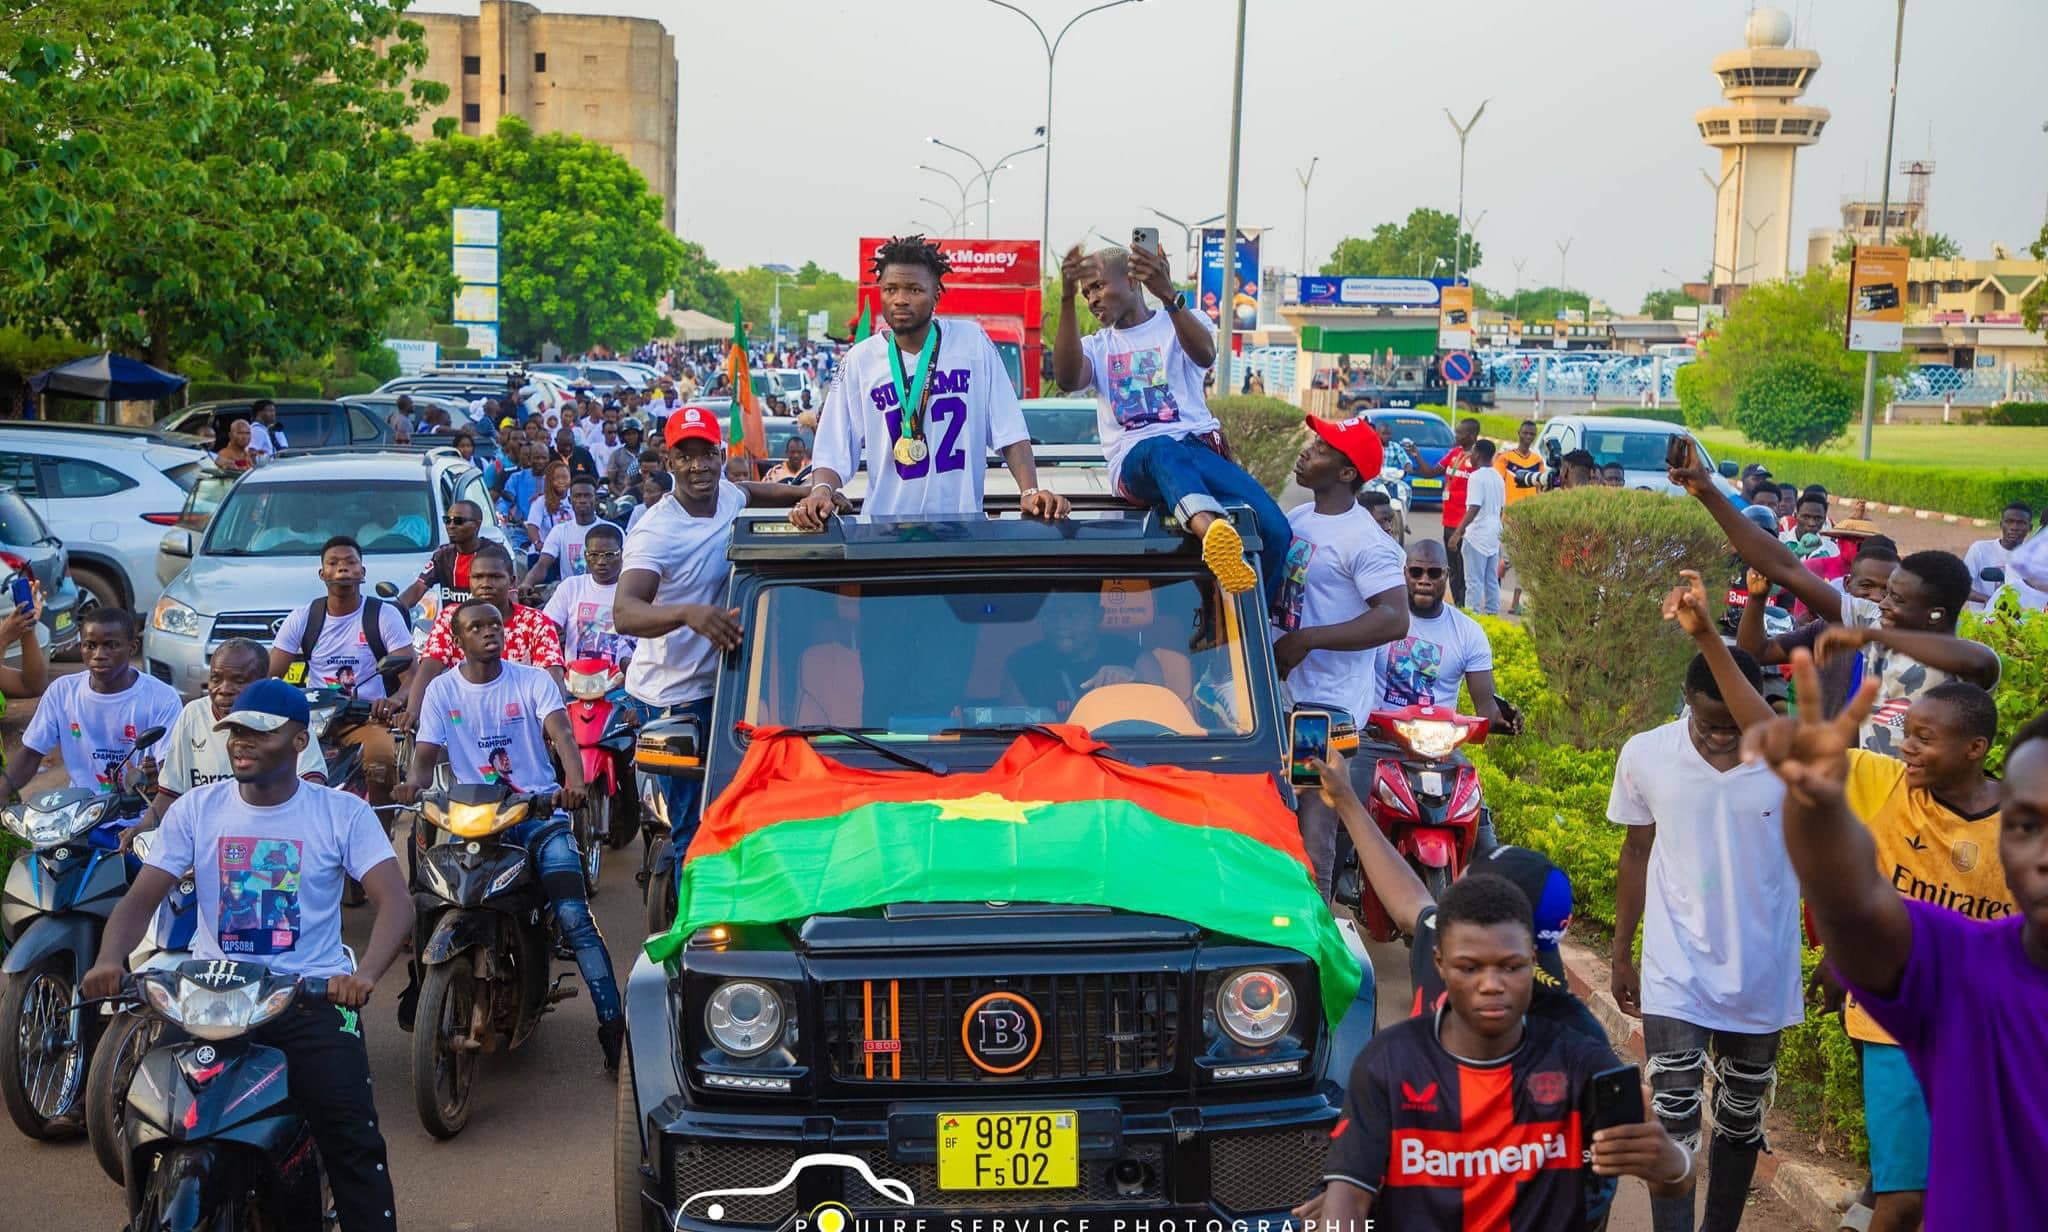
(746, 434)
(866, 326)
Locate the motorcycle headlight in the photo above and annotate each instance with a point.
(478, 820)
(745, 1018)
(273, 1005)
(1431, 738)
(209, 1014)
(1255, 1006)
(176, 618)
(589, 685)
(161, 998)
(57, 826)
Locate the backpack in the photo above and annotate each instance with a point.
(373, 636)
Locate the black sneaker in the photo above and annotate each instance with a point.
(611, 1037)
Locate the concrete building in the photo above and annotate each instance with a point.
(1759, 132)
(611, 79)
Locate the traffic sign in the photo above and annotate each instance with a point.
(1457, 367)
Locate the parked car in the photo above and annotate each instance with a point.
(259, 555)
(27, 546)
(1432, 439)
(108, 494)
(307, 422)
(1638, 444)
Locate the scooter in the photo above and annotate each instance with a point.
(56, 905)
(211, 1138)
(1424, 796)
(486, 945)
(333, 715)
(604, 727)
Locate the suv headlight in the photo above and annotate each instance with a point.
(1255, 1006)
(745, 1018)
(172, 616)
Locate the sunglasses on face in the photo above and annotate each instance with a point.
(452, 520)
(1431, 572)
(589, 555)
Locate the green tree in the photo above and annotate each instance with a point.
(1794, 402)
(584, 258)
(205, 176)
(2035, 304)
(1534, 303)
(1657, 305)
(811, 289)
(1404, 250)
(1802, 317)
(1931, 246)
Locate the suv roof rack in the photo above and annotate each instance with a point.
(425, 452)
(768, 535)
(122, 430)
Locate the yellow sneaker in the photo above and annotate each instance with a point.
(1223, 552)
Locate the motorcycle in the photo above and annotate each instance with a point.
(1422, 794)
(604, 727)
(56, 905)
(130, 1033)
(1393, 482)
(210, 1138)
(486, 945)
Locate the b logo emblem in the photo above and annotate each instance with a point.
(1001, 1033)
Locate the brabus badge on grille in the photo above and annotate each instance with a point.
(1001, 1033)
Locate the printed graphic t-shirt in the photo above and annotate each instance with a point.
(492, 731)
(583, 609)
(1336, 563)
(269, 880)
(972, 412)
(1145, 386)
(1926, 850)
(93, 732)
(343, 659)
(1901, 681)
(1429, 664)
(195, 754)
(1446, 1142)
(565, 544)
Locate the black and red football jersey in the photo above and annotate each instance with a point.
(1482, 1146)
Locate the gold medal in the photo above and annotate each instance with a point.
(906, 452)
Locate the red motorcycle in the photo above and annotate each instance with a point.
(603, 726)
(1423, 795)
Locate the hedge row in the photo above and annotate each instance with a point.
(1944, 489)
(224, 391)
(2018, 415)
(1266, 434)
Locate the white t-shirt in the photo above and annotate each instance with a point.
(493, 731)
(264, 440)
(94, 732)
(269, 880)
(1428, 665)
(1721, 942)
(1145, 385)
(583, 609)
(972, 411)
(687, 557)
(1340, 560)
(537, 515)
(601, 453)
(343, 658)
(195, 754)
(565, 544)
(1991, 554)
(1487, 492)
(1901, 680)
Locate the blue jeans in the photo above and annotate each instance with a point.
(1482, 579)
(1355, 1028)
(1186, 477)
(551, 845)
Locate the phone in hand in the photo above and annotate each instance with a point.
(24, 593)
(1617, 1097)
(1146, 238)
(1678, 453)
(1310, 730)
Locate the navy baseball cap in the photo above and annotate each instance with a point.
(266, 706)
(1549, 892)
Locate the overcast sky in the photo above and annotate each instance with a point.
(803, 121)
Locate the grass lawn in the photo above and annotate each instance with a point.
(1957, 445)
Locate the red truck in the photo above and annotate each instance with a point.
(994, 283)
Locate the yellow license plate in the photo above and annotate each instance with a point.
(1009, 1150)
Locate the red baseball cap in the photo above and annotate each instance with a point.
(692, 423)
(1356, 439)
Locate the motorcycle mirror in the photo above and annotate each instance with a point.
(150, 736)
(386, 590)
(394, 663)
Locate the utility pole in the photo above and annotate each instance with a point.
(1305, 177)
(1884, 217)
(1463, 130)
(1227, 314)
(1564, 249)
(1518, 263)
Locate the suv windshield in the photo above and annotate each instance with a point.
(1122, 657)
(294, 519)
(209, 489)
(1061, 425)
(1425, 430)
(1636, 451)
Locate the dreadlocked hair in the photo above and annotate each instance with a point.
(912, 250)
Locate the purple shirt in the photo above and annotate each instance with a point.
(1972, 1014)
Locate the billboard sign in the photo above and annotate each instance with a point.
(476, 227)
(1240, 291)
(1877, 298)
(473, 257)
(414, 356)
(1454, 319)
(1327, 292)
(976, 263)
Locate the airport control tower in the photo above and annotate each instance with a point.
(1759, 131)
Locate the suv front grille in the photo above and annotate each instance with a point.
(1099, 1186)
(259, 627)
(1097, 1025)
(1269, 1170)
(701, 1166)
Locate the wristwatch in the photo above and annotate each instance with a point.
(1178, 302)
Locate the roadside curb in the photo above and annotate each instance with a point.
(1924, 515)
(1819, 1196)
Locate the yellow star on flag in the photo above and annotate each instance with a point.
(988, 806)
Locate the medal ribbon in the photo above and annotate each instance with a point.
(911, 401)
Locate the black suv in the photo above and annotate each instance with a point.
(911, 639)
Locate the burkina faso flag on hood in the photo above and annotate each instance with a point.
(1056, 820)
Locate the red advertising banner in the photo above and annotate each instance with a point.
(976, 263)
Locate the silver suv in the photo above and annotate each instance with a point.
(260, 556)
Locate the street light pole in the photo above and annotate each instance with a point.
(956, 183)
(1463, 130)
(1227, 314)
(1564, 250)
(953, 219)
(978, 166)
(1884, 217)
(988, 172)
(1052, 51)
(1518, 263)
(1305, 177)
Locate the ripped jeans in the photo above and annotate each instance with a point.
(552, 845)
(1745, 1072)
